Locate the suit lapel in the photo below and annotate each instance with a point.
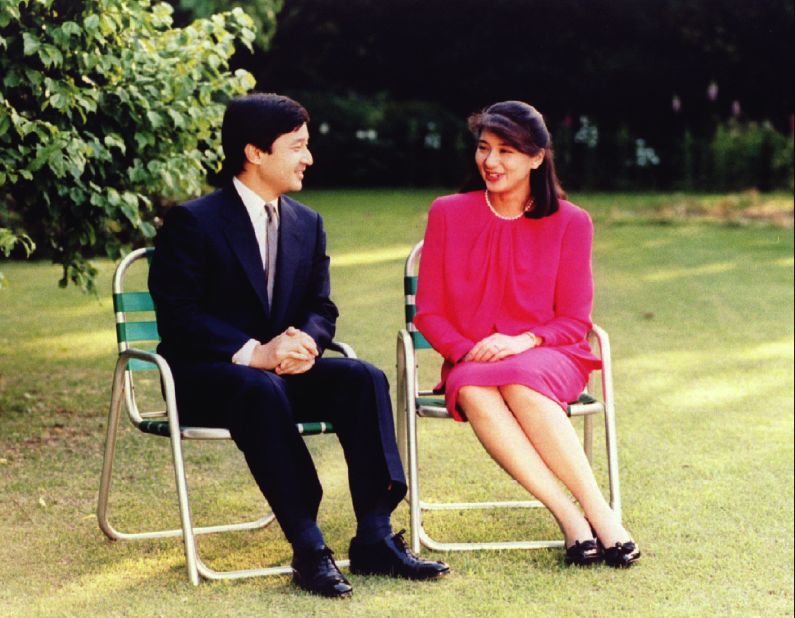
(240, 234)
(287, 258)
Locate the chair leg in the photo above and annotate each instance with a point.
(610, 433)
(402, 401)
(407, 431)
(186, 518)
(587, 437)
(415, 516)
(196, 567)
(117, 393)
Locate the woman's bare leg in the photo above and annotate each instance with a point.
(504, 439)
(553, 437)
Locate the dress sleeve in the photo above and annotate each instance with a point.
(573, 288)
(432, 309)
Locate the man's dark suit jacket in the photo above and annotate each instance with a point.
(209, 287)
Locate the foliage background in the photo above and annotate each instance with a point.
(665, 94)
(109, 109)
(106, 111)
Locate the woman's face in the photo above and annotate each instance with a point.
(503, 168)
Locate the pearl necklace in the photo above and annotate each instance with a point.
(527, 208)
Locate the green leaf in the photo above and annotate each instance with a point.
(143, 139)
(107, 25)
(70, 28)
(33, 77)
(91, 23)
(147, 229)
(113, 140)
(155, 119)
(30, 44)
(179, 119)
(59, 101)
(50, 56)
(12, 79)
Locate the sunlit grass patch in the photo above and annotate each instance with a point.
(700, 314)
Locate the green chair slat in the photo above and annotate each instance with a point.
(133, 301)
(160, 428)
(410, 285)
(583, 399)
(139, 365)
(313, 429)
(420, 342)
(432, 402)
(137, 331)
(157, 428)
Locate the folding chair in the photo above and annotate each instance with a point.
(414, 403)
(165, 423)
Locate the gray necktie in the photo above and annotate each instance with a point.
(272, 235)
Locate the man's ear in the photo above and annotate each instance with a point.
(253, 154)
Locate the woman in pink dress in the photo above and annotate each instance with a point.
(505, 295)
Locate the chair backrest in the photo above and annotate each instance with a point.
(136, 325)
(410, 281)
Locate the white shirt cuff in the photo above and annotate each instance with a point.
(243, 355)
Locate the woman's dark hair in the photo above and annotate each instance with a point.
(257, 118)
(522, 126)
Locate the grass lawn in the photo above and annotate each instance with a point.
(697, 295)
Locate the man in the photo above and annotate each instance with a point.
(240, 279)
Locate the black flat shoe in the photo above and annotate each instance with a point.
(584, 553)
(392, 557)
(622, 555)
(316, 572)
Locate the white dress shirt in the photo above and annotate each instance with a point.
(255, 206)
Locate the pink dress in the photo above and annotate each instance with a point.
(480, 274)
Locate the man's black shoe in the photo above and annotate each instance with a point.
(393, 557)
(316, 572)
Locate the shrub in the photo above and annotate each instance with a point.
(105, 109)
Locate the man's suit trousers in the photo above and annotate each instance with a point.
(261, 410)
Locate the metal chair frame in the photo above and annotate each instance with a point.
(166, 423)
(414, 403)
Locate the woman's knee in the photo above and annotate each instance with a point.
(476, 400)
(524, 400)
(521, 393)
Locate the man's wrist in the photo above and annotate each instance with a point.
(244, 354)
(264, 356)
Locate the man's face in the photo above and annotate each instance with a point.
(282, 169)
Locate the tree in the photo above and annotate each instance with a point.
(104, 109)
(262, 12)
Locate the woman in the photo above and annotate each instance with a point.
(505, 295)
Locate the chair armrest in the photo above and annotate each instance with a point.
(597, 335)
(166, 381)
(342, 348)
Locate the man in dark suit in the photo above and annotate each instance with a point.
(240, 279)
